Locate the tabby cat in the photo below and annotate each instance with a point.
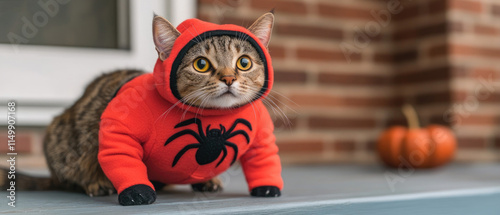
(71, 143)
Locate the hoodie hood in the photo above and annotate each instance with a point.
(191, 31)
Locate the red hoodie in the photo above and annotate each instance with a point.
(147, 134)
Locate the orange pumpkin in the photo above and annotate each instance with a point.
(414, 146)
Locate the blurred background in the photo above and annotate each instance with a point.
(342, 68)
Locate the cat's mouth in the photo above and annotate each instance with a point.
(227, 93)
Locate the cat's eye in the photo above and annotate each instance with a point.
(201, 64)
(244, 63)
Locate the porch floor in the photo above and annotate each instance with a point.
(332, 189)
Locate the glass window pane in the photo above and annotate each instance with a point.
(78, 23)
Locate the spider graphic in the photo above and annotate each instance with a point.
(211, 144)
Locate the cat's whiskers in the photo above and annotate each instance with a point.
(192, 35)
(250, 101)
(197, 37)
(277, 110)
(190, 101)
(285, 97)
(194, 100)
(281, 102)
(183, 101)
(275, 107)
(205, 99)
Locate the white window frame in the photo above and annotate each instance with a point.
(43, 80)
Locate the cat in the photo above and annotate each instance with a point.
(217, 73)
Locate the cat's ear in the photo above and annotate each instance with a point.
(164, 36)
(263, 27)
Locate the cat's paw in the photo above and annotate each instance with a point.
(212, 186)
(139, 194)
(266, 191)
(100, 188)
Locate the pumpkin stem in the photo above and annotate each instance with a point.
(411, 116)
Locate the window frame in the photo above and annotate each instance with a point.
(43, 80)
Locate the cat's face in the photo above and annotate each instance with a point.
(220, 71)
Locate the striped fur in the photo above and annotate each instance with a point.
(71, 142)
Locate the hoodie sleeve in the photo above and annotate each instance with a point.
(123, 130)
(261, 163)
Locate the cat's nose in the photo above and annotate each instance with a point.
(228, 79)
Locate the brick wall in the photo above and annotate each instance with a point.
(441, 56)
(474, 57)
(340, 106)
(445, 64)
(28, 146)
(432, 54)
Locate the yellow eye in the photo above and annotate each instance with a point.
(201, 64)
(244, 63)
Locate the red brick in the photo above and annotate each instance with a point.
(344, 146)
(330, 78)
(497, 143)
(486, 30)
(462, 97)
(204, 17)
(475, 73)
(320, 100)
(207, 1)
(493, 98)
(459, 96)
(290, 76)
(245, 22)
(399, 101)
(408, 12)
(276, 52)
(486, 120)
(442, 119)
(433, 30)
(280, 6)
(383, 57)
(455, 27)
(405, 35)
(437, 7)
(338, 11)
(379, 37)
(222, 3)
(274, 100)
(459, 71)
(485, 72)
(282, 124)
(433, 98)
(423, 75)
(405, 56)
(438, 50)
(466, 50)
(22, 143)
(300, 146)
(471, 143)
(396, 118)
(495, 10)
(324, 55)
(421, 32)
(371, 146)
(465, 5)
(309, 31)
(322, 122)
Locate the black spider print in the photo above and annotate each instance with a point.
(210, 144)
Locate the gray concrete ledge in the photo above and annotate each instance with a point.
(334, 189)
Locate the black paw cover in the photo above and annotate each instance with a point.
(139, 194)
(266, 191)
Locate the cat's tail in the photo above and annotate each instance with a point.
(12, 180)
